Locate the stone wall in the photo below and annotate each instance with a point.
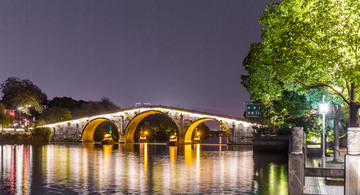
(66, 138)
(240, 135)
(67, 132)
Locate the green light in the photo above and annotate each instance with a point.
(110, 131)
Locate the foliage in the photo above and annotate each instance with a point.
(307, 44)
(159, 127)
(63, 102)
(285, 112)
(5, 119)
(334, 162)
(42, 131)
(81, 108)
(22, 93)
(290, 109)
(55, 114)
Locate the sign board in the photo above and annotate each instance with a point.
(253, 110)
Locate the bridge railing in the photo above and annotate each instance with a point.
(188, 110)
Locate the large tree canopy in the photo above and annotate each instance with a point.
(307, 44)
(22, 93)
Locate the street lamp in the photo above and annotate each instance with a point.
(323, 109)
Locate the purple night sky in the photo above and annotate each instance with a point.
(185, 53)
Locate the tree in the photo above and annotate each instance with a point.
(64, 102)
(81, 108)
(55, 114)
(308, 44)
(23, 94)
(291, 109)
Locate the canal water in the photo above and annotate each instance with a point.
(140, 169)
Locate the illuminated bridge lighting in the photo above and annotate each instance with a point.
(127, 120)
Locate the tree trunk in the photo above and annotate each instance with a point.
(353, 114)
(353, 107)
(336, 132)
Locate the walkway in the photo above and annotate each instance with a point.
(316, 185)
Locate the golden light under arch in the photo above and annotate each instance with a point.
(192, 127)
(131, 127)
(89, 130)
(225, 121)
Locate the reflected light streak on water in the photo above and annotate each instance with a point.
(139, 168)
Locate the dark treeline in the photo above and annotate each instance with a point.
(81, 108)
(29, 101)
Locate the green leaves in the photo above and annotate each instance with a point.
(309, 46)
(306, 43)
(56, 114)
(22, 94)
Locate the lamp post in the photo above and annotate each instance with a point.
(323, 109)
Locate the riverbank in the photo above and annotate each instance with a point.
(22, 138)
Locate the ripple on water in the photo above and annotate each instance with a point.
(140, 169)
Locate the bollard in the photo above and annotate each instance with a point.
(352, 162)
(296, 162)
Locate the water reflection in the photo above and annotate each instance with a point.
(271, 173)
(140, 168)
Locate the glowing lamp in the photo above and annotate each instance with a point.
(323, 108)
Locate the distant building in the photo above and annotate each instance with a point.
(19, 121)
(10, 112)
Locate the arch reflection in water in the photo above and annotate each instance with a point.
(198, 159)
(188, 157)
(136, 168)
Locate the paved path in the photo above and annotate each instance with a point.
(316, 185)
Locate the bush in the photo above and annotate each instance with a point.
(284, 131)
(42, 131)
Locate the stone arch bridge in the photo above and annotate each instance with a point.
(238, 130)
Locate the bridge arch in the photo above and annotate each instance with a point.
(89, 130)
(192, 127)
(131, 127)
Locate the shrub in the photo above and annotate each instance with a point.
(284, 131)
(42, 131)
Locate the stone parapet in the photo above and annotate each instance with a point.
(352, 162)
(353, 136)
(296, 162)
(297, 140)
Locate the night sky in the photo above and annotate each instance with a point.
(185, 53)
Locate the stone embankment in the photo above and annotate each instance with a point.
(271, 143)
